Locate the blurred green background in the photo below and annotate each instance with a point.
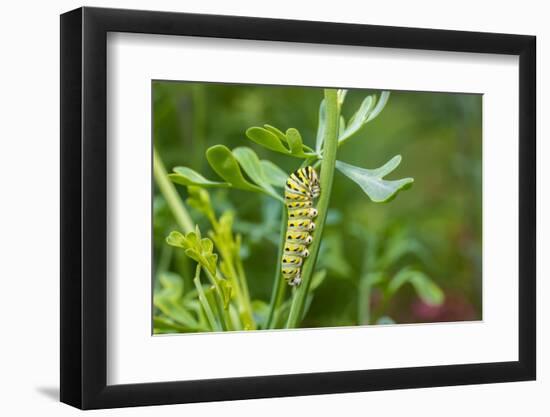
(433, 228)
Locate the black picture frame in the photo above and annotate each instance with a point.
(84, 207)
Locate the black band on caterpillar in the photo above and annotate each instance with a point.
(302, 186)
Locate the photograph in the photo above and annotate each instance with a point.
(291, 207)
(259, 206)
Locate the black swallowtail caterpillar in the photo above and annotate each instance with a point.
(301, 188)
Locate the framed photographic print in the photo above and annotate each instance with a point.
(258, 208)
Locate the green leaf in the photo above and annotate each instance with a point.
(211, 262)
(318, 278)
(227, 164)
(169, 300)
(197, 248)
(187, 176)
(267, 139)
(341, 96)
(223, 162)
(195, 236)
(193, 254)
(295, 142)
(358, 119)
(321, 126)
(176, 239)
(367, 111)
(384, 96)
(254, 169)
(276, 132)
(226, 291)
(371, 180)
(207, 245)
(341, 126)
(272, 138)
(274, 175)
(428, 291)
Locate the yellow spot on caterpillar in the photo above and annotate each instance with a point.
(308, 213)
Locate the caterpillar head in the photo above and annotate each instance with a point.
(311, 227)
(305, 253)
(314, 212)
(308, 240)
(295, 281)
(314, 178)
(315, 191)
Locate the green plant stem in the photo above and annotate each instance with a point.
(237, 281)
(170, 194)
(241, 274)
(279, 284)
(219, 299)
(234, 272)
(204, 301)
(327, 175)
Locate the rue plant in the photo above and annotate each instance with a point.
(220, 299)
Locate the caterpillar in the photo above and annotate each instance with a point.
(302, 186)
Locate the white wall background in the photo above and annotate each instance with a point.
(29, 225)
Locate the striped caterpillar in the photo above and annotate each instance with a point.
(301, 188)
